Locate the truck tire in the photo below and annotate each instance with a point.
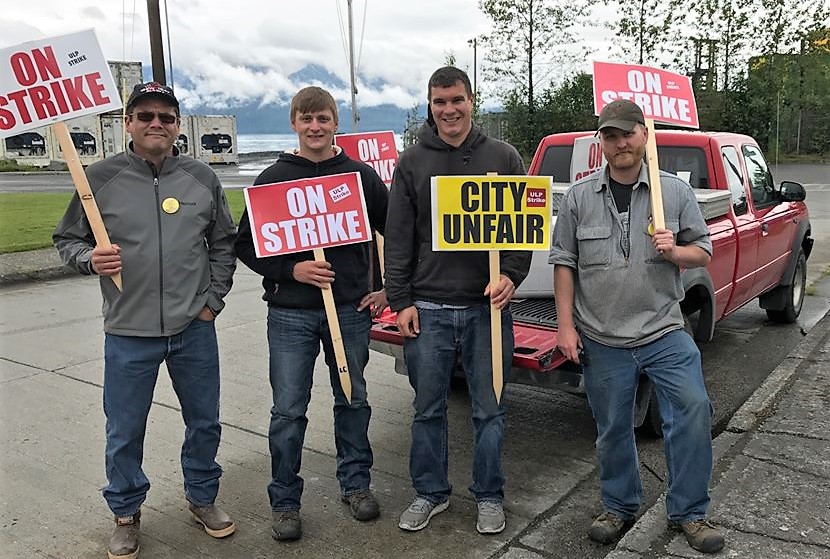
(652, 426)
(794, 293)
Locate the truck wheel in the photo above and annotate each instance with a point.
(795, 294)
(652, 426)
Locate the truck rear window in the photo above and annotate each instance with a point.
(557, 163)
(688, 163)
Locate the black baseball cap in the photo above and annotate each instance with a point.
(622, 114)
(154, 89)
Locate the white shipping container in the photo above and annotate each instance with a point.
(33, 147)
(126, 76)
(114, 136)
(86, 135)
(185, 142)
(216, 135)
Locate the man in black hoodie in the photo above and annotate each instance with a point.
(297, 323)
(443, 304)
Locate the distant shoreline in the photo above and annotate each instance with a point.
(256, 155)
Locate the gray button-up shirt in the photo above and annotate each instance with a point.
(625, 298)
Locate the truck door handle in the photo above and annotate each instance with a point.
(765, 227)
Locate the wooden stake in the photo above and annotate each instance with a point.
(495, 325)
(336, 336)
(655, 190)
(93, 215)
(495, 328)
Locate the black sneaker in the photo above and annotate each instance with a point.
(607, 528)
(124, 541)
(286, 525)
(701, 535)
(363, 505)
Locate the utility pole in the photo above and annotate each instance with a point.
(474, 43)
(156, 43)
(355, 116)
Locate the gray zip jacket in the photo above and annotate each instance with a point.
(174, 263)
(625, 299)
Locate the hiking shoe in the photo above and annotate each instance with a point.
(214, 520)
(363, 505)
(286, 525)
(124, 541)
(607, 528)
(701, 535)
(417, 516)
(490, 517)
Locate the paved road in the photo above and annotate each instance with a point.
(52, 439)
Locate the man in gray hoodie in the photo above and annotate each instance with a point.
(443, 304)
(172, 239)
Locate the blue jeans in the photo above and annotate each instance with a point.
(431, 358)
(294, 337)
(131, 366)
(673, 365)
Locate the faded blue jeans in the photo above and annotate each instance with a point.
(131, 366)
(673, 365)
(294, 337)
(446, 334)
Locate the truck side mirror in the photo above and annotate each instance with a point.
(792, 192)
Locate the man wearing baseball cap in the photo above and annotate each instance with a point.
(617, 287)
(172, 241)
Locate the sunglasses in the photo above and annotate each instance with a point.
(148, 116)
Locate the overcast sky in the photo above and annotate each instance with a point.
(239, 50)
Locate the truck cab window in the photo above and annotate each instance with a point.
(760, 179)
(735, 179)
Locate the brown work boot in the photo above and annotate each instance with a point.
(607, 528)
(363, 505)
(213, 519)
(124, 540)
(286, 525)
(701, 535)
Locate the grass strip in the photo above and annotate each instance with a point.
(27, 219)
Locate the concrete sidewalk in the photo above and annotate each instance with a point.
(771, 494)
(771, 487)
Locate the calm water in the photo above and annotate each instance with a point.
(249, 143)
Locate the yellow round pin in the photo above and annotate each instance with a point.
(650, 228)
(170, 205)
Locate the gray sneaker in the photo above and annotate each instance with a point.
(490, 517)
(417, 516)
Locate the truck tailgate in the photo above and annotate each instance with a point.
(534, 331)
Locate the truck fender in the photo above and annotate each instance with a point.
(700, 296)
(776, 297)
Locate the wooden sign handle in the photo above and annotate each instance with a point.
(495, 325)
(336, 336)
(93, 215)
(654, 188)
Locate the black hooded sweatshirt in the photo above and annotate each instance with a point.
(413, 270)
(350, 263)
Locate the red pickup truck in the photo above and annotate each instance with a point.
(760, 237)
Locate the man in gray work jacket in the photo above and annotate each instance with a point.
(618, 289)
(172, 239)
